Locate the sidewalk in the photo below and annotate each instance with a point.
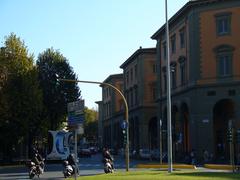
(205, 167)
(165, 166)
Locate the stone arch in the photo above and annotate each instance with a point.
(184, 140)
(223, 112)
(152, 131)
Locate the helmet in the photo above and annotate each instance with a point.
(65, 163)
(35, 150)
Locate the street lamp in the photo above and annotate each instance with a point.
(126, 112)
(160, 140)
(169, 124)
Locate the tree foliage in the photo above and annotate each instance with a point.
(90, 124)
(21, 98)
(52, 64)
(32, 101)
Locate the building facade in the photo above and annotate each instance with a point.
(139, 73)
(205, 77)
(112, 112)
(100, 124)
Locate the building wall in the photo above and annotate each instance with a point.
(139, 92)
(204, 89)
(113, 108)
(209, 40)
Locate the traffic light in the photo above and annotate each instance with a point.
(229, 135)
(238, 136)
(124, 137)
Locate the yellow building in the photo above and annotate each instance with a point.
(205, 69)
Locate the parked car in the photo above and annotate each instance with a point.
(93, 149)
(84, 152)
(145, 154)
(121, 152)
(155, 153)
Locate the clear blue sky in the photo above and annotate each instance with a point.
(96, 36)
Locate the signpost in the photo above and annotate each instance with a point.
(126, 111)
(75, 120)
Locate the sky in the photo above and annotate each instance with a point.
(96, 36)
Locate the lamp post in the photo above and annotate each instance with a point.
(160, 140)
(169, 124)
(126, 112)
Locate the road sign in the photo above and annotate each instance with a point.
(124, 124)
(76, 106)
(73, 119)
(75, 113)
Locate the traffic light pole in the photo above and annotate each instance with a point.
(231, 146)
(169, 111)
(126, 112)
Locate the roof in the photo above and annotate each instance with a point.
(187, 7)
(113, 76)
(137, 53)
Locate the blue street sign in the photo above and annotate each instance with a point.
(76, 113)
(124, 124)
(73, 119)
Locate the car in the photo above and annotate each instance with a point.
(84, 152)
(145, 154)
(155, 154)
(93, 149)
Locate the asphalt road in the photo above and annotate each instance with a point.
(87, 166)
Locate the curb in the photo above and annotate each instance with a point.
(164, 166)
(218, 166)
(11, 166)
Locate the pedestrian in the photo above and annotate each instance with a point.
(205, 156)
(192, 157)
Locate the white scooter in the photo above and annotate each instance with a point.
(68, 170)
(34, 169)
(108, 168)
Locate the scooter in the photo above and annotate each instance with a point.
(108, 168)
(68, 170)
(35, 169)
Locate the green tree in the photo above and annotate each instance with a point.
(90, 124)
(51, 63)
(21, 98)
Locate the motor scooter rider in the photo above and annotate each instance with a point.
(38, 155)
(71, 161)
(37, 159)
(107, 155)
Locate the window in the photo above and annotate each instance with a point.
(131, 97)
(154, 92)
(164, 79)
(154, 68)
(223, 24)
(224, 55)
(121, 87)
(136, 95)
(182, 62)
(182, 38)
(131, 75)
(164, 50)
(183, 73)
(173, 44)
(121, 104)
(135, 69)
(224, 63)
